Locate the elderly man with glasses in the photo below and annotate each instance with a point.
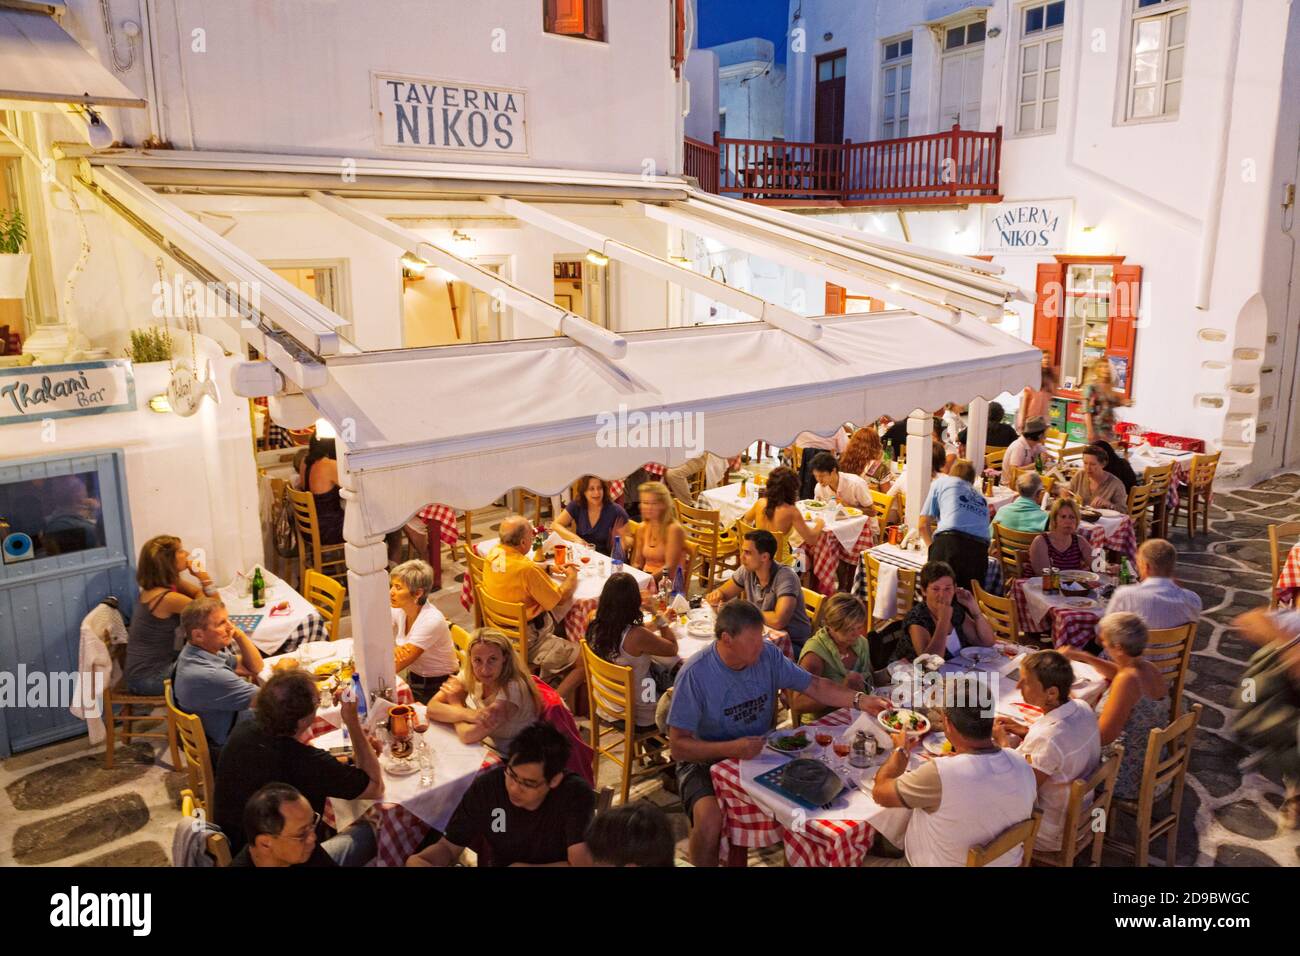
(281, 829)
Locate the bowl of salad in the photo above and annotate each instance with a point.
(791, 743)
(900, 718)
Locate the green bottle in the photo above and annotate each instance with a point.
(1125, 575)
(259, 589)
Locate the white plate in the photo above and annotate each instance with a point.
(699, 628)
(808, 734)
(401, 768)
(924, 728)
(1107, 512)
(981, 655)
(699, 614)
(933, 743)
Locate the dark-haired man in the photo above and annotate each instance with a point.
(528, 812)
(832, 483)
(635, 834)
(281, 829)
(724, 704)
(272, 747)
(773, 588)
(998, 434)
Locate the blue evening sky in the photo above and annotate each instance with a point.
(721, 21)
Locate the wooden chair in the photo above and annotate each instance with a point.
(474, 567)
(460, 639)
(327, 596)
(704, 531)
(135, 709)
(326, 559)
(1196, 492)
(1072, 454)
(1022, 834)
(1054, 442)
(1000, 612)
(508, 618)
(1012, 550)
(467, 530)
(906, 586)
(1086, 798)
(1278, 552)
(696, 483)
(611, 695)
(1158, 479)
(1013, 473)
(198, 762)
(1170, 649)
(993, 457)
(1160, 771)
(527, 498)
(218, 846)
(887, 507)
(1139, 501)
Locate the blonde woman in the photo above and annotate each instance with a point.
(1100, 399)
(492, 699)
(1061, 546)
(838, 651)
(659, 545)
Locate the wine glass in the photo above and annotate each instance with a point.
(843, 747)
(823, 736)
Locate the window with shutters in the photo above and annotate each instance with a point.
(574, 18)
(1157, 49)
(1038, 88)
(896, 88)
(1087, 312)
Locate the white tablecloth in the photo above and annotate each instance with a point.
(1002, 497)
(726, 500)
(1144, 457)
(274, 629)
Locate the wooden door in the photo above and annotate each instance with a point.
(829, 113)
(960, 84)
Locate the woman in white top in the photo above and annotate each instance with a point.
(616, 634)
(493, 699)
(423, 638)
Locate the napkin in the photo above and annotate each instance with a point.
(869, 724)
(680, 605)
(886, 593)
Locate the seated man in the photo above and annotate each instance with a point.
(1062, 746)
(1025, 450)
(281, 829)
(205, 681)
(1023, 514)
(273, 748)
(724, 704)
(678, 478)
(529, 811)
(635, 834)
(831, 483)
(961, 801)
(773, 588)
(1158, 599)
(998, 434)
(511, 575)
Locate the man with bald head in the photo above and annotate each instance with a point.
(1158, 599)
(512, 576)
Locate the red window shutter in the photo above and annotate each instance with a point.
(836, 300)
(564, 17)
(593, 14)
(679, 35)
(1121, 333)
(1047, 310)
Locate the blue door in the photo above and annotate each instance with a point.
(65, 536)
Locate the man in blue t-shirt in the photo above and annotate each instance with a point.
(955, 524)
(724, 704)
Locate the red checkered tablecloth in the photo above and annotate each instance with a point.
(653, 468)
(821, 843)
(1288, 579)
(1075, 627)
(446, 517)
(829, 552)
(1122, 537)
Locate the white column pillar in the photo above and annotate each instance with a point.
(977, 427)
(920, 438)
(372, 625)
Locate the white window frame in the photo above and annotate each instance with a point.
(342, 304)
(1163, 11)
(900, 119)
(1040, 39)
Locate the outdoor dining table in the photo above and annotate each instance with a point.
(1288, 579)
(274, 631)
(755, 817)
(1001, 497)
(886, 607)
(1072, 620)
(1114, 532)
(728, 502)
(1148, 456)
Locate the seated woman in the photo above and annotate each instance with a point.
(151, 642)
(1094, 487)
(838, 651)
(1137, 700)
(949, 617)
(659, 545)
(865, 456)
(420, 630)
(591, 518)
(778, 512)
(1061, 546)
(616, 634)
(320, 476)
(1117, 466)
(492, 699)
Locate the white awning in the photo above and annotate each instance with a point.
(463, 425)
(41, 63)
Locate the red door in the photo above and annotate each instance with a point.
(829, 111)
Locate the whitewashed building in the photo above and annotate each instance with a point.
(751, 90)
(1136, 159)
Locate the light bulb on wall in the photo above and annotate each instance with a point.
(597, 258)
(98, 133)
(324, 429)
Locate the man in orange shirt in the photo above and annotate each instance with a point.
(512, 576)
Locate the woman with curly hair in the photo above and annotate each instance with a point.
(777, 511)
(865, 455)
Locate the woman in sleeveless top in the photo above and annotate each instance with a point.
(659, 545)
(616, 634)
(151, 641)
(1137, 700)
(320, 476)
(778, 512)
(1061, 545)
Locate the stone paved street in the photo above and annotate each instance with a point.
(59, 806)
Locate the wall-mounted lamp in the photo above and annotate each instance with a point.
(597, 258)
(160, 404)
(994, 32)
(828, 36)
(413, 267)
(324, 429)
(680, 260)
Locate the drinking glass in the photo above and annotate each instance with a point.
(843, 746)
(823, 736)
(425, 759)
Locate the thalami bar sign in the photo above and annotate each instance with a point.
(37, 392)
(420, 113)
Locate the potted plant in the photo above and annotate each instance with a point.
(150, 344)
(13, 261)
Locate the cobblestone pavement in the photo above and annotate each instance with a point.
(60, 806)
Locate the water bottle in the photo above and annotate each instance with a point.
(616, 556)
(360, 696)
(679, 583)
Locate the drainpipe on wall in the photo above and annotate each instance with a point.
(157, 135)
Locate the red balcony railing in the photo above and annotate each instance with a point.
(957, 166)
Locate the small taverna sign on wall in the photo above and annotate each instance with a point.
(37, 392)
(1032, 226)
(422, 113)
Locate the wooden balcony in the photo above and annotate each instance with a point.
(950, 168)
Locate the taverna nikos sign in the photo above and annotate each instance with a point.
(420, 113)
(1029, 226)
